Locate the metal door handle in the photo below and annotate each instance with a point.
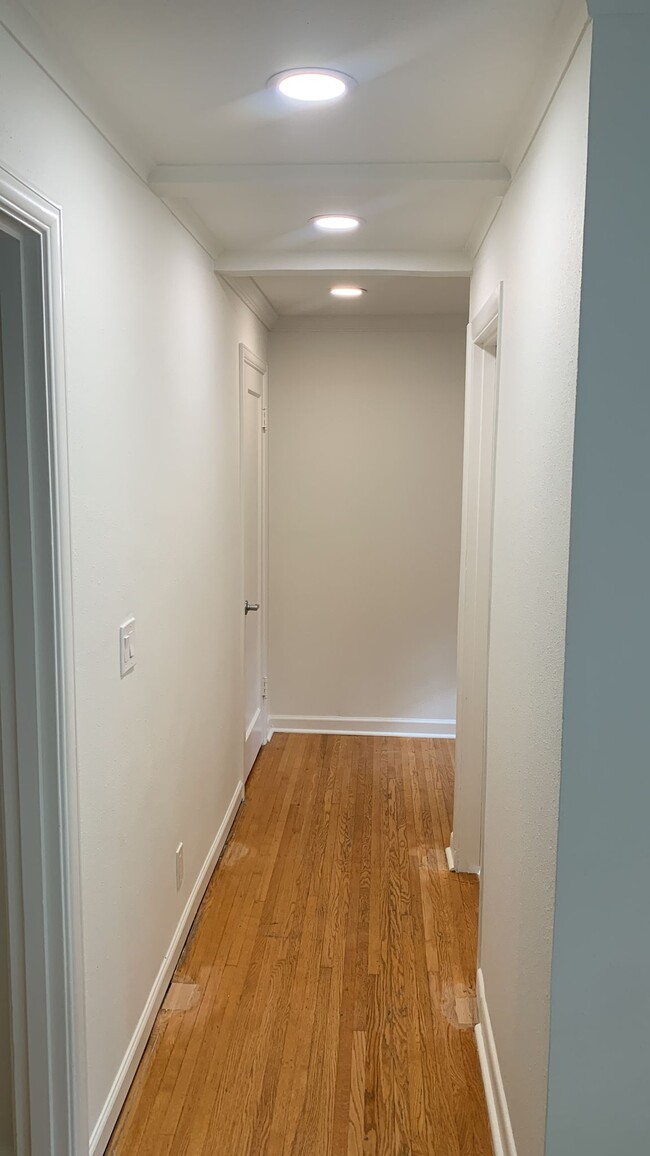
(248, 606)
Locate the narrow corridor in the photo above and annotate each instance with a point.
(325, 1000)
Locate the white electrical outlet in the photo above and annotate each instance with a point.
(180, 866)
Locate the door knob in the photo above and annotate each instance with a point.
(248, 606)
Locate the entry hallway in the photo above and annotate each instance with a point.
(324, 1002)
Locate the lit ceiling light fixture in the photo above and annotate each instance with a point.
(347, 291)
(312, 85)
(336, 222)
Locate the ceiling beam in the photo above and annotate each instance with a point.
(346, 263)
(183, 180)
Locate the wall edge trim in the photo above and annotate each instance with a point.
(344, 725)
(495, 1095)
(105, 1125)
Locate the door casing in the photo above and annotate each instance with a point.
(483, 353)
(37, 692)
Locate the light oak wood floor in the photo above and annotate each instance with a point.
(324, 1001)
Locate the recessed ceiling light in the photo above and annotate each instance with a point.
(337, 222)
(312, 85)
(347, 291)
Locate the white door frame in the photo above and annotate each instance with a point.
(483, 339)
(37, 702)
(247, 357)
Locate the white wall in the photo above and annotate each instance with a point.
(152, 378)
(535, 248)
(365, 489)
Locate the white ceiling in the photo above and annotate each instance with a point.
(415, 148)
(438, 79)
(308, 295)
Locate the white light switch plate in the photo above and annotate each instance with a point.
(127, 646)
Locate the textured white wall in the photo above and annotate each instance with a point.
(153, 395)
(365, 487)
(535, 248)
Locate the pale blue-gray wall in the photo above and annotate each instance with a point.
(6, 1081)
(599, 1075)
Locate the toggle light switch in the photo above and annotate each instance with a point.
(127, 646)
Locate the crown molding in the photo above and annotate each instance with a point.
(194, 224)
(566, 34)
(52, 56)
(43, 47)
(481, 226)
(249, 292)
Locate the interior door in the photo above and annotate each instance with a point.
(253, 392)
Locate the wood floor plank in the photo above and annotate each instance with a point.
(294, 1074)
(380, 1105)
(357, 1089)
(330, 971)
(350, 951)
(363, 841)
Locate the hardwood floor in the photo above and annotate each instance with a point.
(324, 1002)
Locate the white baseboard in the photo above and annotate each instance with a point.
(431, 728)
(456, 863)
(104, 1127)
(497, 1105)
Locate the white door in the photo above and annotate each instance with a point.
(253, 411)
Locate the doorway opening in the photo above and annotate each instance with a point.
(465, 852)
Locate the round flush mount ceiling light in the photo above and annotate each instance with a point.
(312, 85)
(336, 222)
(347, 291)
